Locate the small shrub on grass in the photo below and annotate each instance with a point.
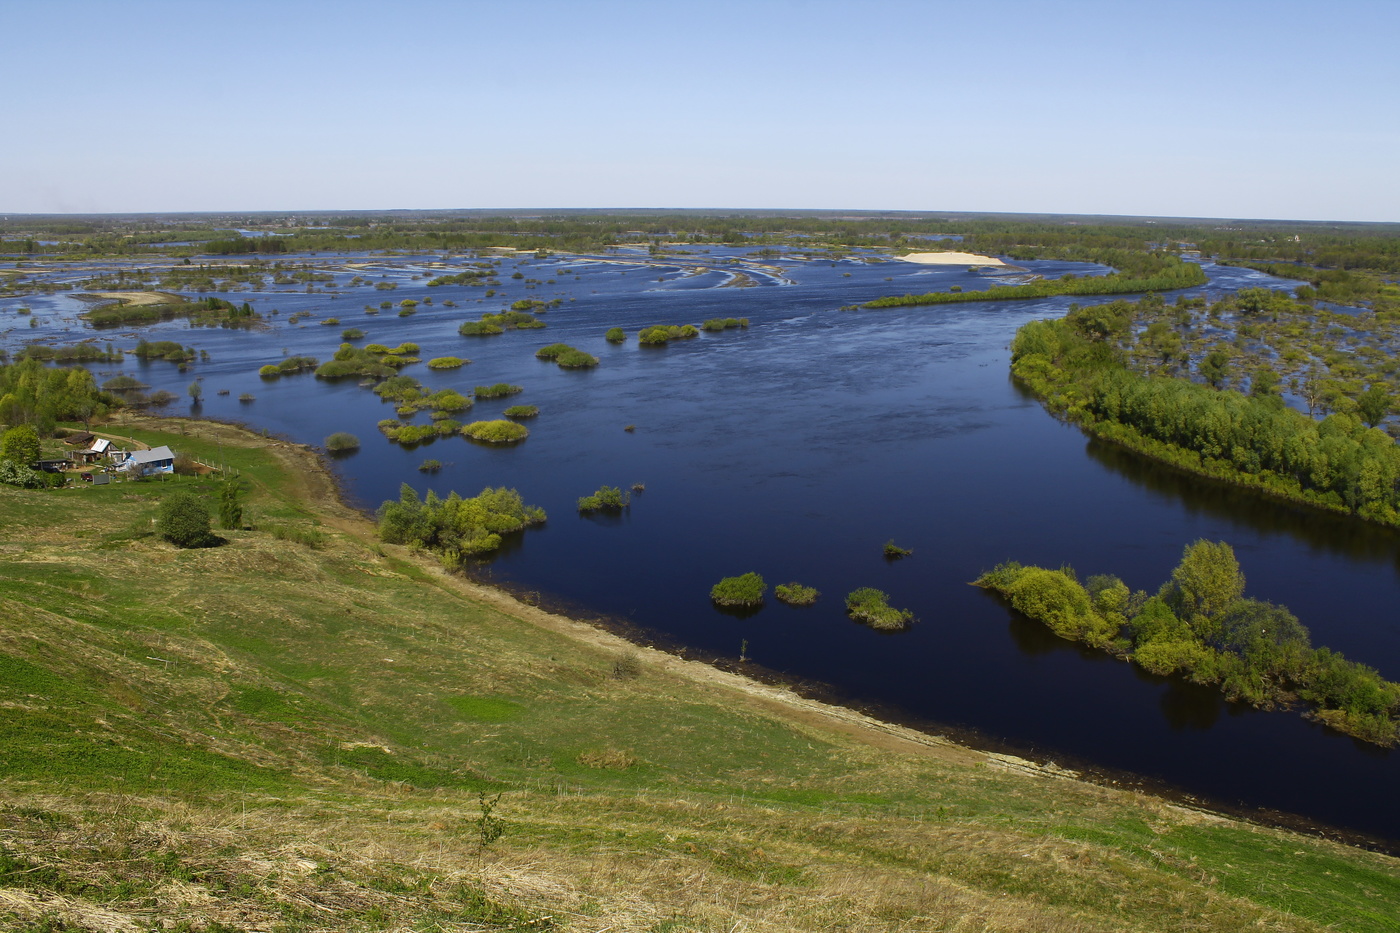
(310, 537)
(183, 519)
(795, 594)
(606, 499)
(744, 590)
(870, 606)
(342, 441)
(521, 411)
(496, 432)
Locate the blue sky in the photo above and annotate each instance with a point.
(1222, 109)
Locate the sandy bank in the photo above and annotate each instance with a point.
(952, 259)
(140, 298)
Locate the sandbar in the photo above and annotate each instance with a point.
(952, 259)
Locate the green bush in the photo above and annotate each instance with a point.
(894, 551)
(795, 594)
(606, 499)
(456, 528)
(499, 390)
(20, 445)
(183, 519)
(871, 606)
(744, 590)
(480, 329)
(496, 432)
(342, 441)
(521, 411)
(661, 334)
(447, 362)
(615, 335)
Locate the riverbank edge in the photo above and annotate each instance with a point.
(321, 491)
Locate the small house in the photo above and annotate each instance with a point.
(99, 448)
(150, 462)
(79, 439)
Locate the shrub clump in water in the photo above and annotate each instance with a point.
(871, 606)
(496, 432)
(744, 590)
(795, 594)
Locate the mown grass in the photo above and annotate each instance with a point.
(273, 735)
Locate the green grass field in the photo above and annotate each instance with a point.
(275, 735)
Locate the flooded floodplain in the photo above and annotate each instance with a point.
(795, 447)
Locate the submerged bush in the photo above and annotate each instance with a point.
(724, 323)
(615, 335)
(454, 527)
(499, 390)
(341, 441)
(606, 499)
(795, 594)
(521, 411)
(661, 334)
(894, 551)
(744, 590)
(870, 606)
(447, 362)
(496, 432)
(480, 329)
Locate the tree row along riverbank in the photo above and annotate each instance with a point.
(1079, 370)
(305, 728)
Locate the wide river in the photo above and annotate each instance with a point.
(796, 448)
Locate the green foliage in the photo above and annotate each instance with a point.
(662, 334)
(606, 499)
(480, 329)
(183, 519)
(31, 393)
(20, 445)
(454, 527)
(744, 590)
(795, 594)
(496, 432)
(231, 495)
(207, 312)
(342, 441)
(724, 323)
(566, 356)
(499, 390)
(615, 335)
(351, 333)
(17, 474)
(1337, 463)
(1203, 628)
(872, 607)
(895, 552)
(1204, 585)
(521, 411)
(447, 362)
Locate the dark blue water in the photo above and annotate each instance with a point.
(796, 448)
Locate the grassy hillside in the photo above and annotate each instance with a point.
(303, 730)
